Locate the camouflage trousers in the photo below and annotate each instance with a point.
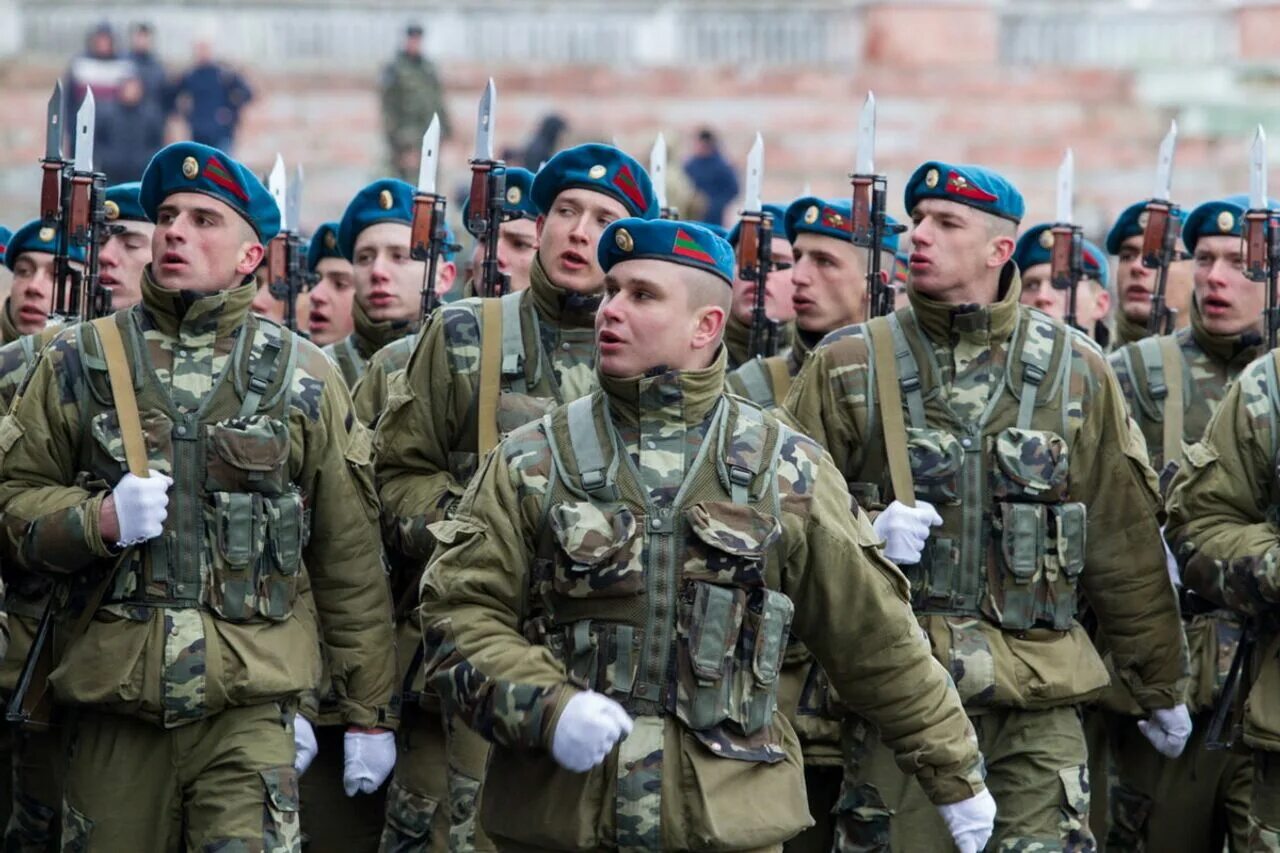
(1195, 802)
(1036, 770)
(435, 793)
(1264, 811)
(221, 785)
(332, 822)
(33, 823)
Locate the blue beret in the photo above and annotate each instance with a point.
(519, 199)
(1035, 245)
(5, 234)
(599, 168)
(189, 167)
(830, 218)
(901, 266)
(33, 238)
(975, 186)
(688, 243)
(384, 200)
(1222, 217)
(324, 244)
(123, 202)
(451, 245)
(779, 225)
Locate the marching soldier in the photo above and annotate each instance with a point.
(616, 588)
(1136, 282)
(29, 255)
(777, 298)
(374, 236)
(992, 440)
(164, 464)
(454, 404)
(1093, 298)
(331, 316)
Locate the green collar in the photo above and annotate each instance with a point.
(372, 335)
(944, 322)
(692, 392)
(565, 309)
(183, 313)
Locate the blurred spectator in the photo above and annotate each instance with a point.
(411, 93)
(712, 176)
(101, 67)
(130, 129)
(210, 96)
(155, 84)
(545, 142)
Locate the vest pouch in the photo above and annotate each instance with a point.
(708, 639)
(1021, 557)
(1030, 465)
(109, 465)
(729, 543)
(247, 455)
(766, 627)
(936, 462)
(600, 656)
(599, 554)
(286, 536)
(516, 410)
(1069, 542)
(235, 524)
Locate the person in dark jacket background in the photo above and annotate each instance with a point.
(211, 96)
(712, 176)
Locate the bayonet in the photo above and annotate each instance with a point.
(293, 199)
(755, 254)
(1164, 164)
(484, 122)
(1258, 170)
(755, 174)
(276, 185)
(658, 174)
(84, 133)
(866, 157)
(1066, 255)
(427, 232)
(53, 125)
(869, 200)
(1160, 235)
(428, 163)
(1066, 187)
(484, 213)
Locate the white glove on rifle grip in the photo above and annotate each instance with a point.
(1168, 730)
(367, 760)
(142, 505)
(971, 821)
(305, 748)
(590, 724)
(905, 529)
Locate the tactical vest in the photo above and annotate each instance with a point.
(765, 381)
(236, 528)
(1013, 546)
(345, 354)
(666, 610)
(1163, 398)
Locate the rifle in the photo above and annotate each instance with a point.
(870, 227)
(287, 274)
(658, 176)
(1262, 236)
(427, 234)
(1160, 236)
(485, 212)
(1066, 256)
(755, 255)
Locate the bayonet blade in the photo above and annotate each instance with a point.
(484, 122)
(430, 157)
(658, 169)
(1164, 164)
(276, 186)
(53, 125)
(755, 176)
(1066, 187)
(1258, 170)
(865, 164)
(84, 133)
(293, 198)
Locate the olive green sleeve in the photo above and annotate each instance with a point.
(369, 395)
(344, 556)
(823, 398)
(1125, 577)
(853, 614)
(1222, 521)
(416, 434)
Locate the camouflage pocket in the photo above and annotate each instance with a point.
(600, 551)
(409, 817)
(235, 524)
(247, 455)
(110, 464)
(764, 641)
(936, 461)
(1041, 556)
(599, 656)
(1073, 829)
(281, 829)
(287, 532)
(1031, 465)
(730, 542)
(516, 410)
(708, 632)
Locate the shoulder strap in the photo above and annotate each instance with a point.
(135, 448)
(1173, 406)
(490, 375)
(752, 378)
(779, 378)
(895, 430)
(743, 453)
(1037, 354)
(595, 475)
(1153, 361)
(512, 343)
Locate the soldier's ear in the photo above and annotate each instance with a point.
(1001, 250)
(537, 227)
(445, 275)
(251, 255)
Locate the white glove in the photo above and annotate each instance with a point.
(1170, 561)
(588, 728)
(305, 747)
(142, 505)
(904, 530)
(1168, 730)
(367, 760)
(971, 821)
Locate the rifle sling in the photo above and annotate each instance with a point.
(490, 374)
(779, 377)
(1173, 407)
(890, 396)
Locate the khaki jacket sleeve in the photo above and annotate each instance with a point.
(344, 556)
(853, 614)
(1222, 521)
(474, 601)
(1125, 577)
(818, 406)
(415, 436)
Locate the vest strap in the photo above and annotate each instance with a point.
(121, 379)
(261, 375)
(779, 378)
(595, 476)
(908, 373)
(755, 382)
(490, 371)
(1036, 361)
(1173, 404)
(880, 330)
(1152, 359)
(512, 343)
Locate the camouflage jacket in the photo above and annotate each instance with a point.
(737, 339)
(410, 93)
(385, 366)
(1128, 331)
(8, 332)
(1224, 528)
(353, 352)
(427, 438)
(669, 586)
(185, 631)
(756, 380)
(998, 602)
